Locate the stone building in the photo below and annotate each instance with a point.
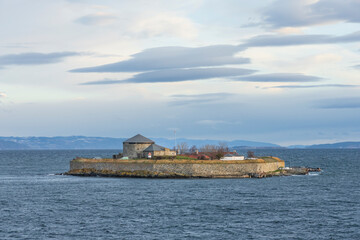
(155, 150)
(142, 147)
(134, 147)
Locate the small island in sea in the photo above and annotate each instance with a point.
(143, 158)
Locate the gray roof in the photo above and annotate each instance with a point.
(154, 147)
(235, 154)
(139, 139)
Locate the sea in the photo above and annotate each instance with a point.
(35, 203)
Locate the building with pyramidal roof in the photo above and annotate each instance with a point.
(141, 147)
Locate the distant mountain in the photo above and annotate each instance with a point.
(197, 142)
(340, 145)
(81, 142)
(73, 142)
(297, 146)
(9, 145)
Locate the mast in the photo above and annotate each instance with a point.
(175, 140)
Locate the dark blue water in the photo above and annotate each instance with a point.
(35, 204)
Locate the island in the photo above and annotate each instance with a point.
(142, 158)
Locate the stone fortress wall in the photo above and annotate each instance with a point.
(184, 168)
(132, 150)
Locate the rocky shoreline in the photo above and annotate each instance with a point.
(286, 172)
(147, 174)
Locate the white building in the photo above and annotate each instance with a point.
(232, 157)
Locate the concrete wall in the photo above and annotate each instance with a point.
(225, 169)
(134, 150)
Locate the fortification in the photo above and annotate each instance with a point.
(144, 158)
(134, 147)
(142, 147)
(174, 168)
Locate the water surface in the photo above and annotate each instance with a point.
(36, 204)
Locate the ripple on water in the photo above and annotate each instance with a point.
(36, 204)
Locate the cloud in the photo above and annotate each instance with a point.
(99, 18)
(178, 75)
(173, 57)
(151, 61)
(164, 24)
(291, 40)
(298, 13)
(34, 58)
(357, 66)
(279, 77)
(144, 24)
(211, 122)
(340, 103)
(2, 96)
(316, 86)
(201, 96)
(16, 45)
(187, 99)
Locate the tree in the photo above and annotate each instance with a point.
(250, 154)
(208, 148)
(183, 147)
(223, 147)
(193, 149)
(219, 155)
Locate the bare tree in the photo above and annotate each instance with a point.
(208, 148)
(250, 154)
(193, 149)
(183, 147)
(223, 147)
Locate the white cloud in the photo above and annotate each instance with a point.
(99, 18)
(191, 99)
(290, 30)
(165, 24)
(323, 60)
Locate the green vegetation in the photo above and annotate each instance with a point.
(271, 159)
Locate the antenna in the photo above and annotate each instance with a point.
(175, 139)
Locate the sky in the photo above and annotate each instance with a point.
(280, 71)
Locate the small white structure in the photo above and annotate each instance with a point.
(232, 157)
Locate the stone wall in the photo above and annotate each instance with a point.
(134, 150)
(207, 168)
(167, 152)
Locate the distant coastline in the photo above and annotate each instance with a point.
(82, 142)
